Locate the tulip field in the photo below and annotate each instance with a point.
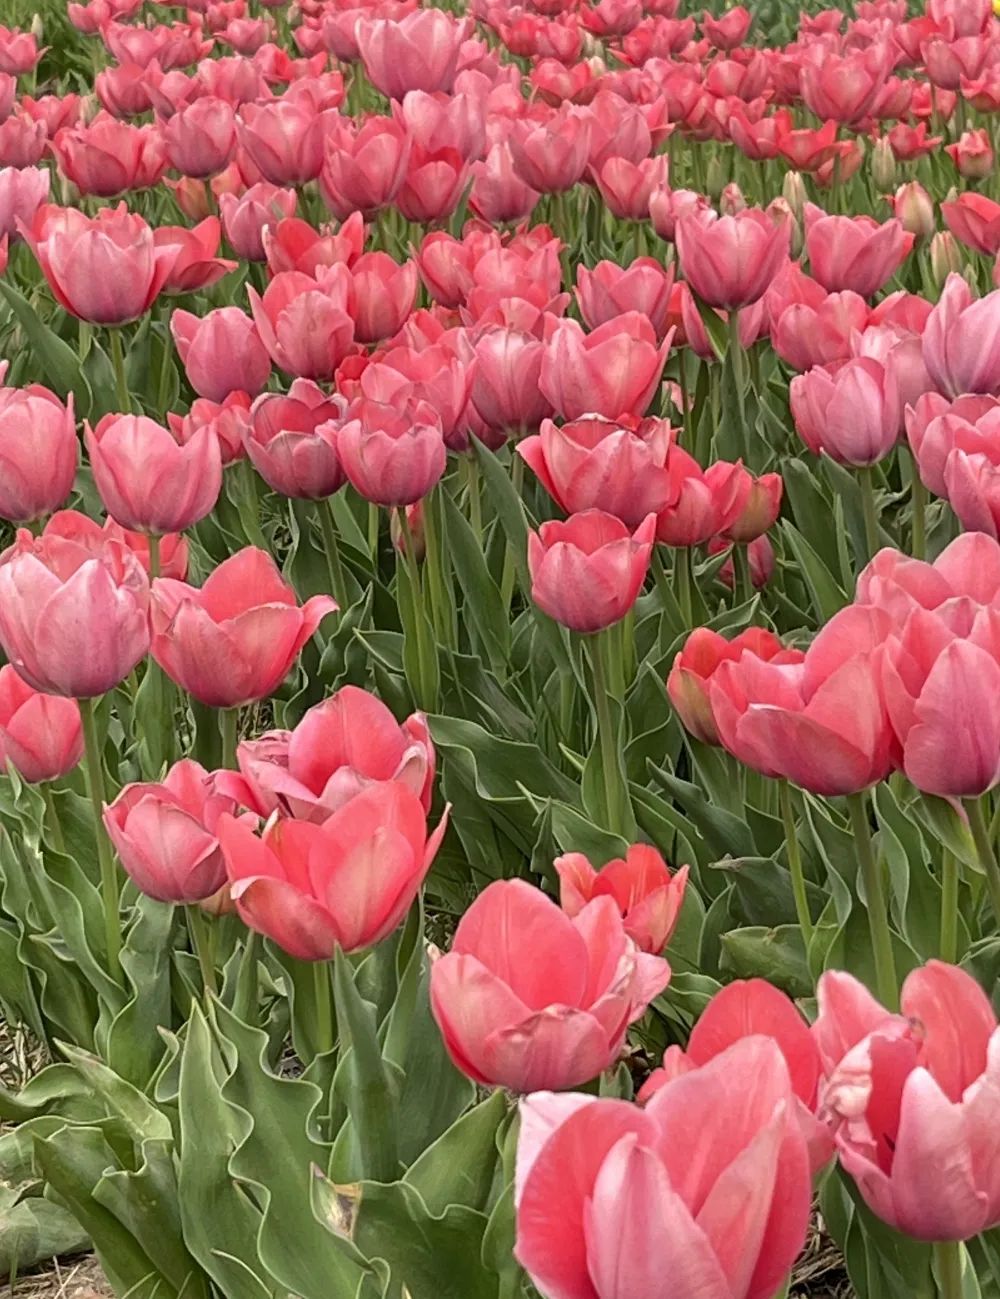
(500, 648)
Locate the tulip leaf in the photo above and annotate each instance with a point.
(458, 1168)
(57, 361)
(827, 596)
(482, 604)
(725, 834)
(776, 954)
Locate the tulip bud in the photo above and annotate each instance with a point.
(713, 178)
(732, 200)
(779, 209)
(972, 155)
(37, 27)
(883, 165)
(915, 209)
(415, 522)
(946, 256)
(794, 192)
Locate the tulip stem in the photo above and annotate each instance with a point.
(616, 815)
(52, 819)
(229, 725)
(334, 567)
(323, 1008)
(154, 555)
(374, 521)
(869, 511)
(203, 942)
(918, 510)
(795, 862)
(948, 1268)
(471, 469)
(739, 379)
(878, 918)
(949, 908)
(427, 694)
(984, 851)
(742, 580)
(118, 364)
(682, 580)
(110, 889)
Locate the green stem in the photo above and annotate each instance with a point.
(324, 1007)
(948, 1268)
(682, 577)
(984, 851)
(742, 579)
(374, 523)
(949, 908)
(52, 819)
(735, 357)
(878, 919)
(475, 496)
(334, 567)
(509, 574)
(869, 510)
(918, 510)
(154, 555)
(682, 377)
(110, 885)
(118, 364)
(795, 862)
(433, 567)
(229, 725)
(161, 390)
(607, 738)
(425, 686)
(203, 941)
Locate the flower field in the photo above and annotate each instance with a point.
(500, 647)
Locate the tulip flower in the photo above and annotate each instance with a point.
(245, 219)
(961, 341)
(235, 639)
(73, 617)
(384, 294)
(107, 157)
(729, 261)
(844, 88)
(552, 156)
(913, 1099)
(667, 206)
(935, 426)
(19, 51)
(292, 441)
(284, 139)
(854, 253)
(340, 747)
(362, 172)
(694, 1192)
(228, 421)
(105, 269)
(972, 155)
(760, 562)
(165, 834)
(627, 187)
(434, 121)
(498, 193)
(392, 455)
(595, 463)
(200, 139)
(196, 265)
(306, 324)
(147, 480)
(587, 573)
(974, 220)
(348, 882)
(610, 290)
(418, 52)
(38, 452)
(851, 413)
(704, 502)
(221, 352)
(295, 245)
(804, 335)
(612, 371)
(23, 190)
(41, 736)
(506, 390)
(434, 375)
(555, 1021)
(91, 536)
(648, 896)
(433, 185)
(23, 141)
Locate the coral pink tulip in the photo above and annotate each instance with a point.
(23, 190)
(200, 139)
(384, 294)
(306, 324)
(84, 531)
(392, 455)
(804, 335)
(346, 883)
(760, 509)
(843, 88)
(935, 426)
(555, 1021)
(704, 502)
(363, 172)
(284, 139)
(851, 413)
(972, 155)
(228, 420)
(961, 342)
(434, 375)
(196, 264)
(506, 388)
(41, 735)
(610, 290)
(39, 452)
(729, 261)
(245, 219)
(433, 184)
(974, 220)
(221, 352)
(498, 193)
(23, 141)
(552, 156)
(418, 52)
(648, 896)
(627, 187)
(612, 371)
(107, 157)
(295, 245)
(292, 443)
(854, 253)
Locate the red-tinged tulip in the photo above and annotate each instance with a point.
(124, 90)
(851, 413)
(498, 193)
(911, 142)
(730, 261)
(246, 218)
(23, 190)
(627, 187)
(438, 121)
(961, 341)
(434, 375)
(647, 895)
(196, 265)
(165, 834)
(84, 531)
(844, 88)
(234, 640)
(433, 185)
(200, 139)
(447, 265)
(698, 1193)
(221, 352)
(73, 617)
(340, 747)
(346, 883)
(760, 560)
(307, 324)
(705, 501)
(972, 155)
(392, 455)
(913, 1100)
(148, 481)
(23, 141)
(284, 139)
(105, 269)
(617, 466)
(587, 572)
(229, 421)
(974, 220)
(41, 735)
(552, 156)
(506, 390)
(384, 294)
(805, 336)
(292, 443)
(821, 723)
(694, 666)
(557, 1020)
(610, 290)
(107, 157)
(729, 31)
(612, 371)
(363, 171)
(19, 51)
(39, 452)
(418, 52)
(760, 509)
(295, 245)
(612, 17)
(855, 253)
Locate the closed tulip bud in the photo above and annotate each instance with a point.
(200, 139)
(246, 218)
(165, 834)
(972, 155)
(729, 261)
(961, 341)
(731, 200)
(306, 324)
(39, 452)
(23, 190)
(415, 534)
(292, 442)
(341, 746)
(512, 1022)
(851, 413)
(41, 735)
(760, 511)
(915, 209)
(648, 897)
(793, 191)
(760, 560)
(346, 883)
(234, 640)
(221, 352)
(392, 456)
(73, 617)
(587, 573)
(946, 257)
(883, 165)
(704, 502)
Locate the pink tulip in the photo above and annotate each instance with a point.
(418, 52)
(436, 121)
(821, 723)
(704, 502)
(506, 387)
(760, 510)
(22, 141)
(348, 882)
(41, 736)
(73, 617)
(165, 834)
(19, 51)
(362, 172)
(935, 426)
(433, 185)
(627, 187)
(612, 371)
(696, 664)
(729, 31)
(295, 245)
(667, 206)
(107, 157)
(292, 442)
(235, 639)
(851, 414)
(384, 295)
(105, 269)
(147, 481)
(805, 336)
(587, 573)
(915, 209)
(23, 190)
(200, 139)
(913, 1098)
(610, 290)
(705, 1191)
(552, 156)
(972, 155)
(854, 253)
(974, 220)
(729, 261)
(595, 463)
(647, 895)
(434, 375)
(124, 90)
(339, 748)
(245, 219)
(196, 264)
(843, 88)
(557, 1020)
(306, 324)
(85, 532)
(221, 352)
(498, 193)
(284, 139)
(392, 456)
(961, 342)
(38, 452)
(760, 561)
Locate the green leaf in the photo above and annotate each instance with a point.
(57, 361)
(777, 955)
(458, 1168)
(827, 596)
(482, 603)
